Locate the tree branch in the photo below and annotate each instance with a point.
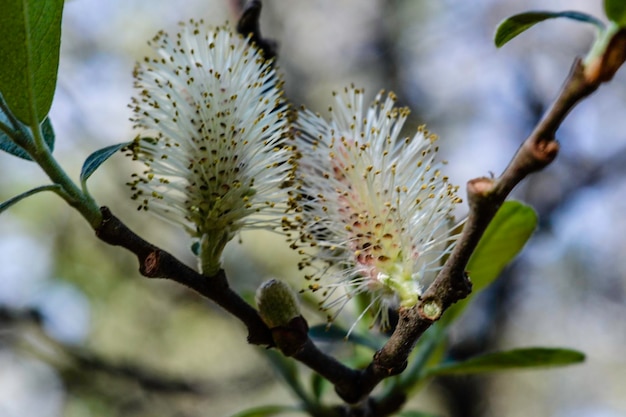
(156, 263)
(485, 196)
(249, 25)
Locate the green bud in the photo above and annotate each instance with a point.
(277, 303)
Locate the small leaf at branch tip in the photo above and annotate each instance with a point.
(97, 158)
(512, 26)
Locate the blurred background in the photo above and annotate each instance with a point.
(82, 334)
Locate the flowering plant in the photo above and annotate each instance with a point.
(369, 210)
(379, 206)
(214, 137)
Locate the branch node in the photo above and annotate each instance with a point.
(544, 151)
(431, 309)
(290, 339)
(150, 265)
(387, 369)
(107, 217)
(479, 189)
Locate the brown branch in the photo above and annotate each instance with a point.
(327, 366)
(485, 196)
(156, 263)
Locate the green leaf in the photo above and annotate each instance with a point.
(5, 205)
(334, 333)
(29, 47)
(512, 26)
(267, 411)
(9, 146)
(504, 238)
(428, 350)
(512, 359)
(97, 158)
(616, 11)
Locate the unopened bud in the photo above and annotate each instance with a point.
(280, 310)
(277, 303)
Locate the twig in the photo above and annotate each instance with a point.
(249, 25)
(156, 263)
(485, 196)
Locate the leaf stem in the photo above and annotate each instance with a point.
(73, 195)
